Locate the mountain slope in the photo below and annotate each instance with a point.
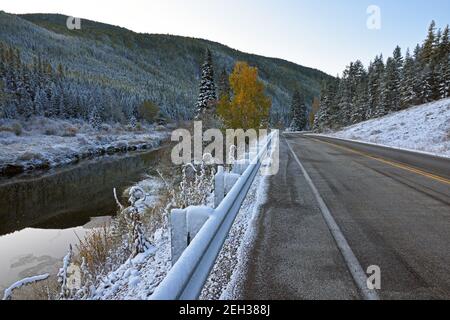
(162, 68)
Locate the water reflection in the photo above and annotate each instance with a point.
(33, 251)
(68, 197)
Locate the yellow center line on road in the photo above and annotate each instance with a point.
(389, 162)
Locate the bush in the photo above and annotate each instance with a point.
(17, 128)
(148, 111)
(70, 132)
(50, 132)
(105, 127)
(95, 250)
(28, 156)
(160, 128)
(14, 127)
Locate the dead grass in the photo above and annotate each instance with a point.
(155, 217)
(95, 248)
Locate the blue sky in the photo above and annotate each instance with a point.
(324, 34)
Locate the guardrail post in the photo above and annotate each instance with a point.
(196, 218)
(178, 233)
(230, 180)
(240, 166)
(184, 226)
(219, 186)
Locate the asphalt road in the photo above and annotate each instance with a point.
(391, 206)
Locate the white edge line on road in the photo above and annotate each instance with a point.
(357, 272)
(368, 143)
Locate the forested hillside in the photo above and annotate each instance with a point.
(104, 73)
(398, 83)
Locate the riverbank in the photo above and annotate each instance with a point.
(41, 215)
(42, 143)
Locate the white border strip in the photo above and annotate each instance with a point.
(358, 274)
(427, 153)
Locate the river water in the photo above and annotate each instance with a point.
(42, 214)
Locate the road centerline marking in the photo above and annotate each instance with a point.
(357, 272)
(389, 162)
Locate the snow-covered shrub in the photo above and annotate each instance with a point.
(82, 140)
(50, 132)
(105, 127)
(196, 186)
(139, 242)
(87, 282)
(12, 126)
(24, 282)
(70, 131)
(160, 128)
(29, 156)
(63, 276)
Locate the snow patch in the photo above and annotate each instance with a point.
(424, 128)
(44, 143)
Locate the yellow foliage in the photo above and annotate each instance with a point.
(249, 107)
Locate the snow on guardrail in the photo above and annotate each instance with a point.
(208, 229)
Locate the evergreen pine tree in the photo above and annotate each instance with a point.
(428, 45)
(327, 101)
(426, 84)
(444, 79)
(298, 111)
(224, 84)
(376, 71)
(358, 80)
(429, 90)
(360, 102)
(94, 118)
(207, 91)
(444, 46)
(443, 73)
(407, 94)
(390, 100)
(418, 70)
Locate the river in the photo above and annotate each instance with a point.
(41, 214)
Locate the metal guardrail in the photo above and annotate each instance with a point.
(187, 277)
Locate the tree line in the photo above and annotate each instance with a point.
(40, 89)
(241, 102)
(401, 82)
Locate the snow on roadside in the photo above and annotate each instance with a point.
(137, 278)
(424, 128)
(226, 276)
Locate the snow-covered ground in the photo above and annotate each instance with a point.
(42, 143)
(424, 128)
(137, 278)
(228, 272)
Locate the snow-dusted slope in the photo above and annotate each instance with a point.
(43, 143)
(423, 128)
